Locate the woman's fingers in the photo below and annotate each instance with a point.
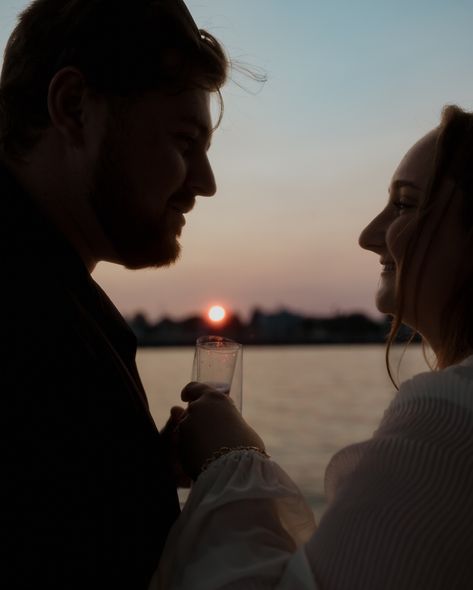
(177, 413)
(193, 391)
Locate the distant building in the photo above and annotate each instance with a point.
(280, 327)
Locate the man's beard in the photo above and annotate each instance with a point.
(137, 241)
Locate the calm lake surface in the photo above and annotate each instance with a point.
(306, 402)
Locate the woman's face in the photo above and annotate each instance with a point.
(432, 269)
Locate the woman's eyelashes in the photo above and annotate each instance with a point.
(404, 204)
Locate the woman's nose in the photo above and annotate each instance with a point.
(373, 236)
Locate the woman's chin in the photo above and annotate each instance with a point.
(385, 302)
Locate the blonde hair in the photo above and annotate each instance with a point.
(453, 158)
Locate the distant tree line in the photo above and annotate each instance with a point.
(282, 327)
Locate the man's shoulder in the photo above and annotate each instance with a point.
(39, 292)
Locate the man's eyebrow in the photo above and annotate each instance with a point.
(202, 127)
(398, 184)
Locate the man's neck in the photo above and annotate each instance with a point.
(62, 195)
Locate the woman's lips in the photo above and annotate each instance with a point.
(388, 268)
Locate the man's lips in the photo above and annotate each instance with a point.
(182, 207)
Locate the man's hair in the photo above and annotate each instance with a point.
(123, 48)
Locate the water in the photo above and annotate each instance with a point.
(306, 402)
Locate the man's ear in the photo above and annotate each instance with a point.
(66, 101)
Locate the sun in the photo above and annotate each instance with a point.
(216, 313)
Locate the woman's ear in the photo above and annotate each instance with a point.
(66, 103)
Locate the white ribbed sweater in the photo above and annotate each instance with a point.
(400, 510)
(400, 514)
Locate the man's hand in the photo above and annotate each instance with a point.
(211, 422)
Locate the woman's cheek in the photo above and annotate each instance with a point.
(398, 236)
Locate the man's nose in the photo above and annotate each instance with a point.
(203, 179)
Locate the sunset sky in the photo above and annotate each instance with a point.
(304, 161)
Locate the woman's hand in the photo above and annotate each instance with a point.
(211, 422)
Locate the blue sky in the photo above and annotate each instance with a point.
(304, 161)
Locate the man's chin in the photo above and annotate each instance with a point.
(151, 258)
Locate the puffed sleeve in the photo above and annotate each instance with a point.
(243, 526)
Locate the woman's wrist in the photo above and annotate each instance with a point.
(225, 450)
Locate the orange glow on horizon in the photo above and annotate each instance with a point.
(216, 313)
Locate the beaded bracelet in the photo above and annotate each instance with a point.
(225, 450)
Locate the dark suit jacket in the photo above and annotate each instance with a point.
(87, 493)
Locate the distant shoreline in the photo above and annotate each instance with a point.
(273, 344)
(284, 328)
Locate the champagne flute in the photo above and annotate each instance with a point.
(218, 362)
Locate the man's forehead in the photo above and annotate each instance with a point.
(189, 106)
